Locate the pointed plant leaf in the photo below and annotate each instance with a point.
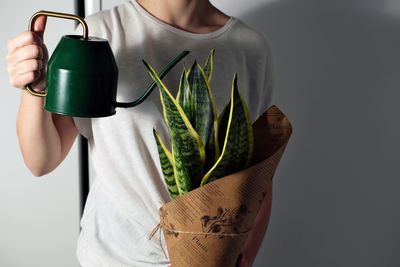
(166, 166)
(209, 65)
(223, 120)
(238, 142)
(188, 153)
(205, 113)
(184, 97)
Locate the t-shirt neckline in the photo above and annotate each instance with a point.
(181, 32)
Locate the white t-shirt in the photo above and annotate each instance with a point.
(128, 187)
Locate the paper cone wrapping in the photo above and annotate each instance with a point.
(208, 226)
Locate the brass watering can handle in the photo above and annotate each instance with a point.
(56, 15)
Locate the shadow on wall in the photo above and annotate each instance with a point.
(336, 67)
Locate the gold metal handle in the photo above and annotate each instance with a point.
(56, 15)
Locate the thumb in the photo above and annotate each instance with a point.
(39, 25)
(242, 262)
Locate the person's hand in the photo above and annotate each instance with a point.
(27, 57)
(242, 261)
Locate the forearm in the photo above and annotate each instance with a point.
(256, 235)
(38, 137)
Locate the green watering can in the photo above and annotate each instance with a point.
(82, 74)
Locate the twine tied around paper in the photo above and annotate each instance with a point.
(153, 232)
(160, 226)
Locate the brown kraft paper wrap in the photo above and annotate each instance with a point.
(208, 226)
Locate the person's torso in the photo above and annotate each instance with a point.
(123, 150)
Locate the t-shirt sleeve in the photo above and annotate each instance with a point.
(267, 95)
(97, 28)
(84, 126)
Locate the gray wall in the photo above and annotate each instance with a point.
(38, 216)
(335, 199)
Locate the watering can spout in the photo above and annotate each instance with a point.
(153, 85)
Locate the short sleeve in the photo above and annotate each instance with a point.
(84, 126)
(267, 95)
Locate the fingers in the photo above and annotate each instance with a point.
(25, 72)
(25, 66)
(242, 261)
(26, 57)
(27, 78)
(25, 53)
(23, 39)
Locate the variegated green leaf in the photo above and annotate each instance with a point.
(205, 113)
(238, 141)
(166, 166)
(209, 66)
(223, 120)
(187, 148)
(184, 97)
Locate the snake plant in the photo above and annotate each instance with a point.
(204, 146)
